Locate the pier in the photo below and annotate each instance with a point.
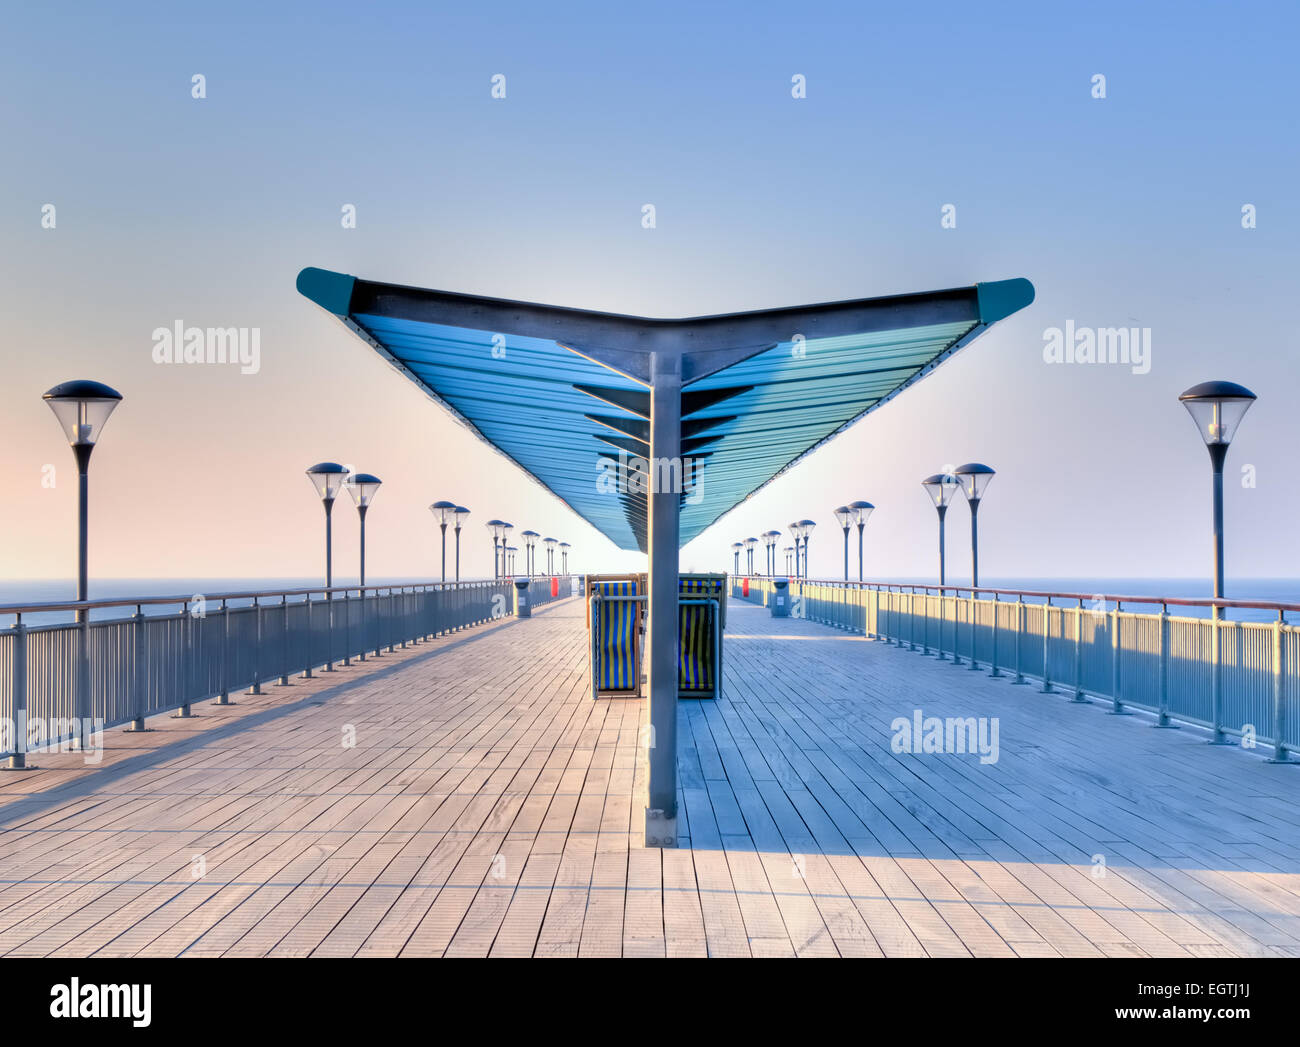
(464, 795)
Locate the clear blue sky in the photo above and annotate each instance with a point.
(1123, 212)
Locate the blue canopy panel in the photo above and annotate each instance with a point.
(754, 401)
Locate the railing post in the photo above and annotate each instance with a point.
(1115, 683)
(1020, 632)
(311, 636)
(1047, 632)
(956, 628)
(1162, 719)
(1078, 653)
(329, 632)
(140, 660)
(993, 664)
(365, 625)
(257, 650)
(347, 625)
(187, 631)
(1217, 736)
(224, 697)
(18, 759)
(1280, 753)
(943, 617)
(284, 639)
(974, 615)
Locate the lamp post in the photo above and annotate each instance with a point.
(749, 553)
(796, 532)
(530, 543)
(861, 511)
(82, 407)
(974, 478)
(506, 528)
(510, 560)
(460, 512)
(807, 526)
(941, 487)
(769, 540)
(1217, 408)
(443, 513)
(735, 553)
(845, 516)
(550, 554)
(789, 553)
(495, 526)
(564, 558)
(327, 478)
(362, 487)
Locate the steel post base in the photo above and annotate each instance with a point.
(183, 713)
(137, 727)
(660, 830)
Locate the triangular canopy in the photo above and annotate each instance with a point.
(562, 392)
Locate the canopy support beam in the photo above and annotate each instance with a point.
(662, 644)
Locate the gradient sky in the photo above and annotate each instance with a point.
(1123, 212)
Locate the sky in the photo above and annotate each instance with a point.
(1123, 210)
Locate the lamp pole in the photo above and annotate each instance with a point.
(460, 513)
(941, 487)
(1217, 408)
(443, 513)
(362, 487)
(861, 511)
(81, 408)
(845, 515)
(974, 478)
(735, 553)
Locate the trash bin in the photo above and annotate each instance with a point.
(780, 598)
(523, 609)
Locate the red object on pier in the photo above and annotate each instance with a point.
(555, 587)
(744, 587)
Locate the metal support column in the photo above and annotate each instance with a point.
(665, 447)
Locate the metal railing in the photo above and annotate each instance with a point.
(1237, 678)
(59, 680)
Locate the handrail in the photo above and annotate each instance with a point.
(1177, 601)
(249, 594)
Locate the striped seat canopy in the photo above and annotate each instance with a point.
(565, 393)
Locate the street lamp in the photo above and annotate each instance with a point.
(807, 526)
(861, 510)
(1217, 408)
(82, 407)
(460, 512)
(362, 487)
(564, 557)
(974, 478)
(510, 560)
(530, 541)
(769, 540)
(327, 478)
(941, 487)
(789, 553)
(498, 534)
(796, 532)
(845, 517)
(735, 552)
(443, 512)
(550, 554)
(749, 553)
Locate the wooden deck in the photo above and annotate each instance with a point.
(489, 807)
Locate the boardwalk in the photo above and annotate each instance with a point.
(487, 808)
